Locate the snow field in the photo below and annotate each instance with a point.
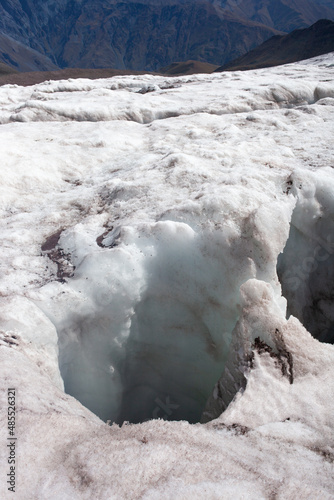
(145, 239)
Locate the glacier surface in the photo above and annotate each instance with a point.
(167, 259)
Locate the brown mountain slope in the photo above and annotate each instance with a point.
(6, 70)
(300, 44)
(187, 68)
(31, 78)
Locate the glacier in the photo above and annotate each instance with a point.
(166, 284)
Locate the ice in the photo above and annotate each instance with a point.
(306, 265)
(167, 254)
(163, 295)
(284, 351)
(144, 99)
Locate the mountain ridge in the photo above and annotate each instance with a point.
(135, 35)
(143, 35)
(301, 44)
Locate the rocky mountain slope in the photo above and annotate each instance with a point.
(22, 57)
(300, 44)
(132, 35)
(6, 70)
(143, 34)
(283, 15)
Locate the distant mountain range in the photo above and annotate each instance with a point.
(300, 44)
(282, 15)
(143, 34)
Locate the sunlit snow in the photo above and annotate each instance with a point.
(167, 246)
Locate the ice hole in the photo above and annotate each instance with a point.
(167, 367)
(154, 334)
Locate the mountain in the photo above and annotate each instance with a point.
(135, 35)
(143, 34)
(283, 15)
(300, 44)
(6, 70)
(22, 57)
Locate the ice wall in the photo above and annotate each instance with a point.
(305, 269)
(306, 266)
(258, 330)
(282, 379)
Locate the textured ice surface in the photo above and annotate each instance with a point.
(145, 236)
(306, 267)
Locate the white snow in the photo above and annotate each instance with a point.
(143, 223)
